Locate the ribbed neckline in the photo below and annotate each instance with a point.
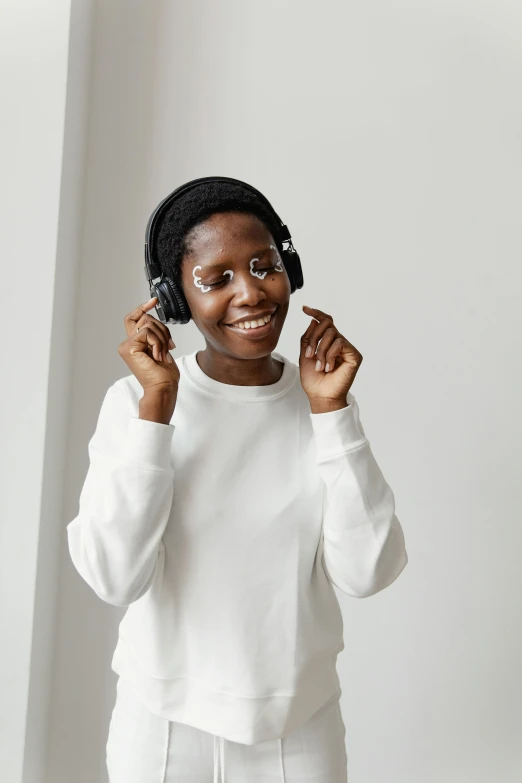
(245, 393)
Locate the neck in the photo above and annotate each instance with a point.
(239, 372)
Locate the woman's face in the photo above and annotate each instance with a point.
(233, 271)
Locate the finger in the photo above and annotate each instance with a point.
(153, 341)
(169, 342)
(139, 354)
(131, 325)
(332, 353)
(350, 346)
(140, 346)
(327, 339)
(148, 336)
(134, 316)
(317, 329)
(317, 313)
(156, 326)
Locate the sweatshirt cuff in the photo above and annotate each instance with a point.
(149, 442)
(336, 431)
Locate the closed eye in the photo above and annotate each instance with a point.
(220, 282)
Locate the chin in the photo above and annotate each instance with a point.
(245, 348)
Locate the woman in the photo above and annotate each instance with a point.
(228, 491)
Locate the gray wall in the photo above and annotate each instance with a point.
(44, 77)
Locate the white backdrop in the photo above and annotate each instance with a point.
(387, 136)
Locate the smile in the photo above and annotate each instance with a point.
(248, 329)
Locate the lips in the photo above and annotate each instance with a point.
(253, 333)
(253, 318)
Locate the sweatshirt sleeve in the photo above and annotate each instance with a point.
(115, 540)
(363, 541)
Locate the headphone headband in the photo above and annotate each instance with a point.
(172, 306)
(151, 268)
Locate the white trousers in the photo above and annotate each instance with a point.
(145, 748)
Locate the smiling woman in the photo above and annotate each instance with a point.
(220, 243)
(240, 297)
(227, 492)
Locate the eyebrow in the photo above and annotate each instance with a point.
(220, 264)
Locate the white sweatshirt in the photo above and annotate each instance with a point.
(223, 533)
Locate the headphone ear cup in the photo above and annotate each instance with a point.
(184, 314)
(172, 306)
(293, 267)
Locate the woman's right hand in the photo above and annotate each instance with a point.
(146, 353)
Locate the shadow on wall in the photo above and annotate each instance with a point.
(114, 218)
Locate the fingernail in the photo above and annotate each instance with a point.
(308, 351)
(318, 364)
(169, 358)
(171, 343)
(327, 367)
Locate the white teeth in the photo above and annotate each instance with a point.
(252, 324)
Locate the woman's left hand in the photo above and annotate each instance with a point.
(331, 386)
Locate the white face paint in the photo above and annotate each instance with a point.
(278, 267)
(197, 281)
(205, 288)
(261, 275)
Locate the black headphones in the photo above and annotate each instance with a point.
(172, 306)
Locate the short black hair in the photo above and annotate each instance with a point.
(194, 207)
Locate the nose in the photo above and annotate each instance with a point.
(248, 289)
